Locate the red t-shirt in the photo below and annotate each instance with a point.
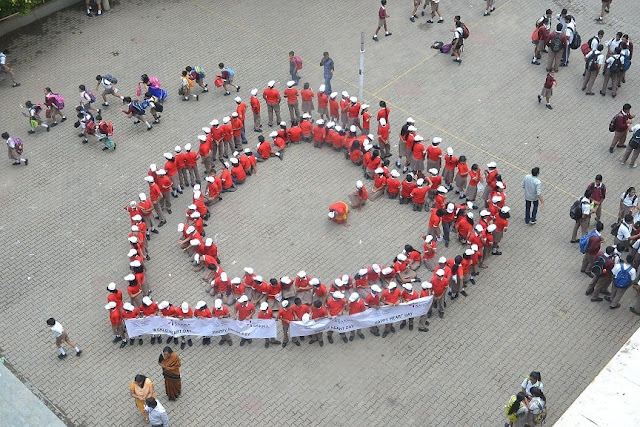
(291, 93)
(335, 306)
(356, 307)
(300, 311)
(245, 311)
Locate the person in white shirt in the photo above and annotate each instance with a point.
(6, 69)
(537, 407)
(61, 336)
(628, 203)
(623, 276)
(613, 70)
(108, 86)
(624, 230)
(592, 68)
(614, 43)
(569, 31)
(157, 414)
(583, 221)
(85, 99)
(15, 150)
(534, 379)
(596, 40)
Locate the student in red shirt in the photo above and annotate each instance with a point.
(116, 321)
(354, 306)
(221, 311)
(323, 102)
(390, 296)
(241, 109)
(440, 285)
(203, 312)
(236, 131)
(295, 132)
(319, 133)
(318, 311)
(462, 174)
(115, 295)
(286, 316)
(419, 195)
(272, 97)
(383, 138)
(291, 93)
(306, 94)
(434, 154)
(185, 312)
(372, 300)
(237, 171)
(244, 310)
(336, 305)
(319, 291)
(299, 309)
(426, 291)
(254, 102)
(150, 308)
(407, 295)
(181, 164)
(406, 188)
(359, 197)
(393, 184)
(266, 313)
(128, 312)
(501, 223)
(306, 127)
(172, 172)
(334, 107)
(384, 111)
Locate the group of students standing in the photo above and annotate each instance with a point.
(528, 407)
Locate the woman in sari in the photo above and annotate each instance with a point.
(141, 389)
(170, 363)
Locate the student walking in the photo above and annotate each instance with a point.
(547, 89)
(16, 148)
(61, 337)
(228, 78)
(382, 20)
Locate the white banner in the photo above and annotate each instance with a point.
(155, 325)
(366, 319)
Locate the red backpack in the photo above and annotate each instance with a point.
(465, 31)
(298, 61)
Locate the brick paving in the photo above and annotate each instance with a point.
(64, 230)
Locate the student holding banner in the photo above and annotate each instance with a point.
(244, 310)
(372, 300)
(390, 296)
(318, 311)
(267, 313)
(355, 306)
(286, 315)
(221, 311)
(336, 305)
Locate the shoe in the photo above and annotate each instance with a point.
(190, 343)
(411, 327)
(607, 298)
(62, 356)
(197, 97)
(140, 341)
(588, 292)
(376, 333)
(384, 334)
(387, 34)
(132, 341)
(284, 344)
(15, 84)
(423, 329)
(104, 148)
(99, 13)
(149, 127)
(169, 340)
(539, 98)
(297, 343)
(464, 293)
(606, 293)
(441, 314)
(634, 311)
(344, 339)
(123, 344)
(31, 131)
(15, 163)
(162, 223)
(497, 253)
(533, 222)
(351, 337)
(175, 340)
(393, 329)
(590, 274)
(229, 342)
(633, 166)
(375, 38)
(589, 93)
(429, 21)
(563, 64)
(610, 149)
(53, 124)
(105, 104)
(153, 340)
(549, 106)
(614, 307)
(321, 343)
(446, 243)
(573, 241)
(182, 345)
(599, 19)
(360, 335)
(603, 94)
(116, 339)
(78, 353)
(536, 63)
(169, 211)
(185, 99)
(154, 231)
(227, 93)
(441, 20)
(238, 89)
(266, 344)
(403, 324)
(242, 341)
(330, 339)
(412, 19)
(422, 12)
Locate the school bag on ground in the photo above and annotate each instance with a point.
(437, 45)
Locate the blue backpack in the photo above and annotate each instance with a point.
(138, 106)
(584, 241)
(623, 278)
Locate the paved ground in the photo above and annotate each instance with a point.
(64, 230)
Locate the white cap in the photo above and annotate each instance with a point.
(442, 260)
(208, 242)
(418, 138)
(314, 281)
(194, 242)
(135, 228)
(238, 99)
(111, 286)
(161, 172)
(474, 247)
(439, 272)
(152, 167)
(442, 189)
(450, 207)
(412, 128)
(285, 279)
(210, 179)
(319, 122)
(364, 107)
(306, 317)
(379, 170)
(468, 252)
(496, 199)
(234, 161)
(331, 124)
(177, 149)
(478, 227)
(433, 171)
(110, 305)
(395, 173)
(331, 214)
(196, 257)
(383, 121)
(148, 178)
(407, 286)
(192, 206)
(214, 122)
(306, 115)
(181, 226)
(168, 156)
(469, 204)
(254, 91)
(345, 279)
(187, 146)
(500, 184)
(137, 217)
(376, 268)
(505, 209)
(185, 307)
(129, 277)
(146, 301)
(290, 83)
(135, 263)
(362, 272)
(258, 279)
(338, 128)
(190, 229)
(338, 283)
(218, 303)
(428, 238)
(370, 137)
(301, 274)
(248, 270)
(353, 128)
(223, 276)
(420, 182)
(359, 184)
(410, 120)
(392, 285)
(450, 151)
(195, 214)
(271, 83)
(321, 88)
(376, 288)
(206, 129)
(236, 281)
(264, 306)
(225, 119)
(491, 228)
(273, 134)
(354, 297)
(163, 305)
(353, 99)
(333, 95)
(401, 257)
(337, 295)
(234, 114)
(200, 304)
(470, 215)
(128, 306)
(284, 303)
(202, 138)
(436, 140)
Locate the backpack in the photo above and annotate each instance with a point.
(598, 265)
(110, 78)
(634, 142)
(585, 48)
(556, 43)
(445, 48)
(535, 36)
(540, 417)
(627, 63)
(199, 71)
(136, 105)
(616, 66)
(592, 62)
(230, 71)
(437, 45)
(191, 82)
(584, 241)
(576, 210)
(511, 417)
(106, 128)
(465, 31)
(298, 61)
(92, 96)
(612, 123)
(90, 127)
(58, 101)
(154, 82)
(19, 146)
(576, 42)
(623, 278)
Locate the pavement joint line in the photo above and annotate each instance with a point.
(410, 69)
(375, 95)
